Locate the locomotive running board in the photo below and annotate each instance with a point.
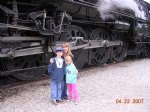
(6, 73)
(90, 44)
(84, 44)
(103, 43)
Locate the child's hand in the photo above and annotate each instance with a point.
(76, 71)
(51, 60)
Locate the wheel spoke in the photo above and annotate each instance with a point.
(118, 52)
(100, 55)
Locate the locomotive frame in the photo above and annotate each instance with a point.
(30, 29)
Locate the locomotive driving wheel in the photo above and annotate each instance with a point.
(100, 55)
(119, 51)
(79, 55)
(23, 63)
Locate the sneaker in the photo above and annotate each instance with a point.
(59, 100)
(54, 102)
(76, 103)
(69, 100)
(65, 98)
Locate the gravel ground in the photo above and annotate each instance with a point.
(98, 90)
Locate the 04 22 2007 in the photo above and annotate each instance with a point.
(129, 101)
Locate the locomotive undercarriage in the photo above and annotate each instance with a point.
(24, 57)
(27, 40)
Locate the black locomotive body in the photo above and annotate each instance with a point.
(97, 30)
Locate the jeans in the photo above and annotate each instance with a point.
(73, 94)
(64, 90)
(56, 89)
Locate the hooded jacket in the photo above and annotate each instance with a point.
(55, 72)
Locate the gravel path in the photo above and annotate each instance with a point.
(98, 91)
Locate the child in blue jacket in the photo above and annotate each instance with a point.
(71, 79)
(56, 71)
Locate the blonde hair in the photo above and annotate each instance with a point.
(65, 44)
(68, 58)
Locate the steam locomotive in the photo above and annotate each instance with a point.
(99, 31)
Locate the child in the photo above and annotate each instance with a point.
(56, 70)
(71, 79)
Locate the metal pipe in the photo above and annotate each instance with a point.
(62, 19)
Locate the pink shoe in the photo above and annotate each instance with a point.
(76, 103)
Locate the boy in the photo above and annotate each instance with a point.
(56, 70)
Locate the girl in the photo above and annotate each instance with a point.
(71, 79)
(67, 50)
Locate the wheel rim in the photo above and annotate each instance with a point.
(23, 63)
(119, 52)
(100, 55)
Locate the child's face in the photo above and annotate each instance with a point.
(59, 53)
(65, 49)
(67, 61)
